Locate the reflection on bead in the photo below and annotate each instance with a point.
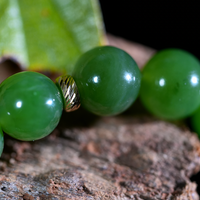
(70, 92)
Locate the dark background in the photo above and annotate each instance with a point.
(157, 24)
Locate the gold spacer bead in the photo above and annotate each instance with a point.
(70, 92)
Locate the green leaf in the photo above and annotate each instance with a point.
(49, 35)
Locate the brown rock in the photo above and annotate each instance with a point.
(115, 158)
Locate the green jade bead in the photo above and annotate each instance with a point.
(1, 141)
(108, 80)
(30, 106)
(170, 86)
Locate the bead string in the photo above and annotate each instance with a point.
(106, 81)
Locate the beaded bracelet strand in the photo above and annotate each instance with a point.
(106, 81)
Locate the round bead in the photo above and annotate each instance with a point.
(170, 86)
(30, 106)
(108, 80)
(1, 141)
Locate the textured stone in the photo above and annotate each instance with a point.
(115, 158)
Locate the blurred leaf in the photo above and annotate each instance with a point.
(49, 35)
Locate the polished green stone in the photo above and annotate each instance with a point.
(30, 106)
(1, 141)
(170, 86)
(108, 80)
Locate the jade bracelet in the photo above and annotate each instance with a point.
(105, 81)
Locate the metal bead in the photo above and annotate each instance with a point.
(70, 92)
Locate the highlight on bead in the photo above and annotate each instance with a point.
(70, 92)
